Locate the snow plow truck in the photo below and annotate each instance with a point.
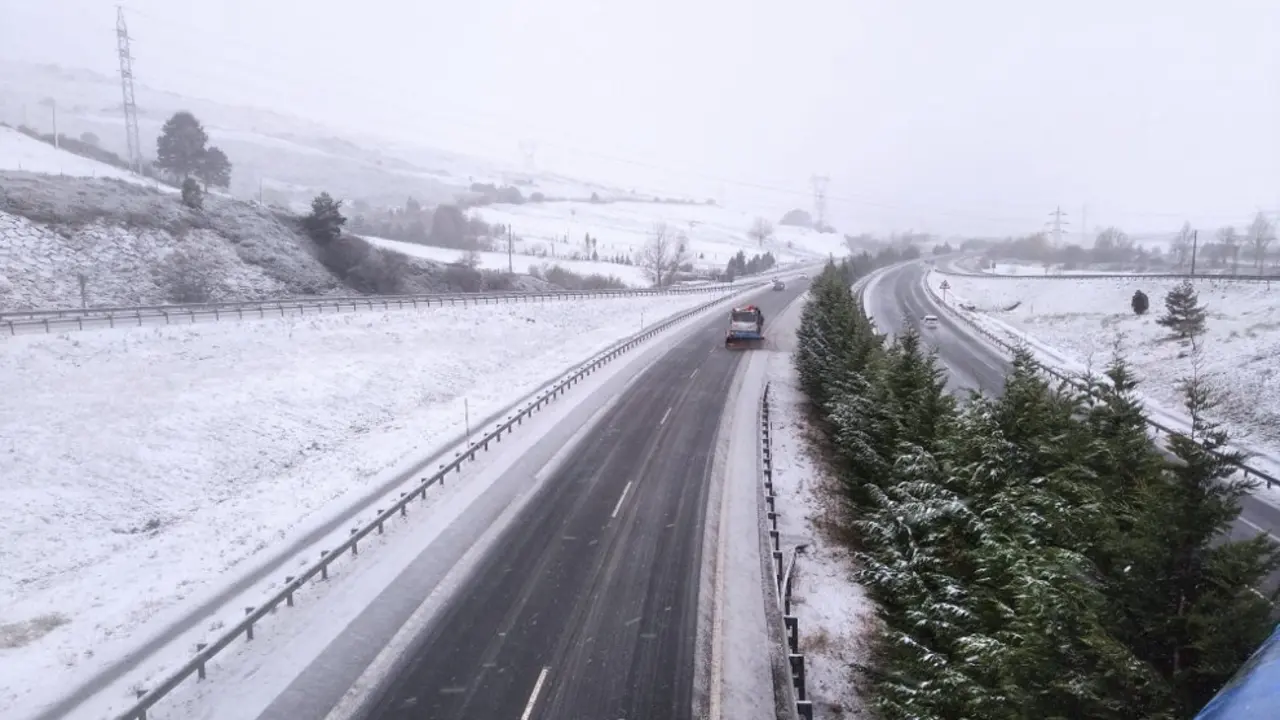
(746, 328)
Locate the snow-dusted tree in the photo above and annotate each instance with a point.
(1261, 234)
(215, 168)
(760, 231)
(180, 148)
(325, 222)
(1182, 244)
(1201, 616)
(1184, 314)
(663, 253)
(1230, 241)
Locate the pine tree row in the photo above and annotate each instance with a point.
(1032, 556)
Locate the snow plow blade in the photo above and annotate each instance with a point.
(743, 343)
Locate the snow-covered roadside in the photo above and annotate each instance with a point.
(835, 616)
(143, 465)
(1074, 324)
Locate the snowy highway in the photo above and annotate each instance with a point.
(898, 296)
(586, 602)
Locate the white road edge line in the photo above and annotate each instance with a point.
(533, 699)
(665, 415)
(695, 372)
(622, 497)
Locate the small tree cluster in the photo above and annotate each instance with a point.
(1184, 314)
(740, 264)
(1031, 556)
(182, 150)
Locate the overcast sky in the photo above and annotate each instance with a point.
(945, 116)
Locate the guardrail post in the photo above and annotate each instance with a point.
(248, 629)
(355, 544)
(797, 674)
(324, 568)
(792, 624)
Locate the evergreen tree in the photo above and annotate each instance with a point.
(324, 224)
(1140, 302)
(1183, 312)
(180, 148)
(1202, 616)
(215, 168)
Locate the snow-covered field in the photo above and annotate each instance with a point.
(19, 152)
(141, 467)
(621, 228)
(521, 263)
(834, 613)
(1084, 318)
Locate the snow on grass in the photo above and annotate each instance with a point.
(140, 466)
(1082, 319)
(834, 613)
(629, 274)
(621, 228)
(19, 152)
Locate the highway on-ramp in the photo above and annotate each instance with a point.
(586, 605)
(898, 297)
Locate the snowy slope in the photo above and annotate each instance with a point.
(140, 466)
(715, 233)
(1084, 318)
(522, 263)
(19, 152)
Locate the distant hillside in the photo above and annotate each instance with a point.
(67, 241)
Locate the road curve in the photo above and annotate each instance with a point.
(899, 297)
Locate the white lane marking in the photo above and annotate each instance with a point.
(695, 372)
(1257, 527)
(665, 415)
(533, 699)
(618, 507)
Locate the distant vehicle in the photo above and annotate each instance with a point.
(746, 328)
(779, 285)
(931, 321)
(803, 276)
(968, 306)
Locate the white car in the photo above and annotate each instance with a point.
(931, 321)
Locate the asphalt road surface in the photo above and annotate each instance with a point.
(586, 606)
(900, 297)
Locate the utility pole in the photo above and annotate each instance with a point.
(1195, 242)
(53, 106)
(1057, 226)
(820, 198)
(129, 105)
(510, 248)
(1084, 225)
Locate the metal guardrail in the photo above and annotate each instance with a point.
(1073, 380)
(13, 322)
(783, 574)
(294, 584)
(1112, 276)
(24, 321)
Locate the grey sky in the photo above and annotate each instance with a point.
(944, 116)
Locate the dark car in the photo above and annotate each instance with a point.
(779, 285)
